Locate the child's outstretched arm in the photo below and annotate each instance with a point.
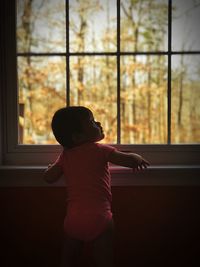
(52, 173)
(130, 160)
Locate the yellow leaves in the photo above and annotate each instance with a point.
(94, 89)
(40, 76)
(101, 110)
(77, 66)
(29, 140)
(80, 86)
(108, 38)
(136, 67)
(126, 96)
(21, 121)
(132, 127)
(39, 123)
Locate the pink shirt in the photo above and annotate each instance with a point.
(88, 187)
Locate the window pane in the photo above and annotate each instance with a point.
(93, 84)
(144, 25)
(143, 99)
(185, 25)
(41, 26)
(92, 25)
(186, 99)
(42, 86)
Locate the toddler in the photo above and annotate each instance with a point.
(84, 163)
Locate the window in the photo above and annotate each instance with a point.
(134, 63)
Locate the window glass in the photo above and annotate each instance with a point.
(41, 26)
(126, 84)
(92, 25)
(186, 99)
(144, 99)
(41, 85)
(144, 25)
(185, 25)
(93, 83)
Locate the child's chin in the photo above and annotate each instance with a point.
(100, 137)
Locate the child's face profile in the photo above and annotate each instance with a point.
(92, 129)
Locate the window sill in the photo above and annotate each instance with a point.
(166, 175)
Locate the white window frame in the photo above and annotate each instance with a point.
(14, 154)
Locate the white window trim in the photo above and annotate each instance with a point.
(32, 155)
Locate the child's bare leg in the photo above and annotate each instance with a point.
(103, 248)
(71, 252)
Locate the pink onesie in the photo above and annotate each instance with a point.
(89, 190)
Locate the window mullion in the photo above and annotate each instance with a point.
(67, 55)
(169, 71)
(118, 75)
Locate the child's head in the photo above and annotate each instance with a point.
(75, 125)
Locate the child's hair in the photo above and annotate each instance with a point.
(66, 122)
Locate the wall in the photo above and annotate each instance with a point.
(155, 226)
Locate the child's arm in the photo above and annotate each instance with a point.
(130, 160)
(52, 173)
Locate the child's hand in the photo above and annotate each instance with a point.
(142, 164)
(49, 166)
(52, 173)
